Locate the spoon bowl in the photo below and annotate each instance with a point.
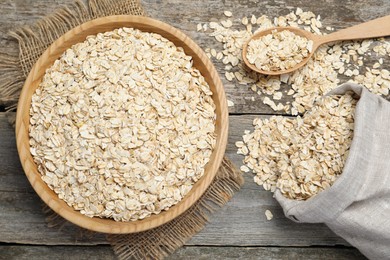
(376, 28)
(294, 30)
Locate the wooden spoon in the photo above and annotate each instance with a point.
(372, 29)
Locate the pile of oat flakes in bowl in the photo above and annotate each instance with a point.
(122, 125)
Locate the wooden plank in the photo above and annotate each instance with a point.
(269, 253)
(24, 252)
(240, 223)
(338, 14)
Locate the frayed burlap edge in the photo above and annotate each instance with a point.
(32, 41)
(12, 80)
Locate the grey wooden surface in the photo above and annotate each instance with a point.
(240, 229)
(187, 252)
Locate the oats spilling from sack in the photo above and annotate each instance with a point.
(293, 93)
(304, 155)
(122, 125)
(278, 50)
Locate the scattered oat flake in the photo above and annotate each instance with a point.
(348, 73)
(299, 11)
(230, 103)
(277, 95)
(269, 102)
(269, 215)
(228, 13)
(213, 25)
(244, 21)
(229, 76)
(239, 144)
(213, 52)
(227, 23)
(244, 168)
(253, 19)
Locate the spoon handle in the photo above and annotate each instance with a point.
(371, 29)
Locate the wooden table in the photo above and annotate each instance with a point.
(240, 229)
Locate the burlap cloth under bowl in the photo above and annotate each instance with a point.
(33, 41)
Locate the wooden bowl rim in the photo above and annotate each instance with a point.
(22, 127)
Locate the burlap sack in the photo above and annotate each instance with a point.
(357, 206)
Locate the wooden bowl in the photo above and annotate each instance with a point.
(79, 34)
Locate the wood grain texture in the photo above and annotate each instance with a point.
(187, 252)
(240, 223)
(77, 35)
(56, 252)
(379, 27)
(269, 253)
